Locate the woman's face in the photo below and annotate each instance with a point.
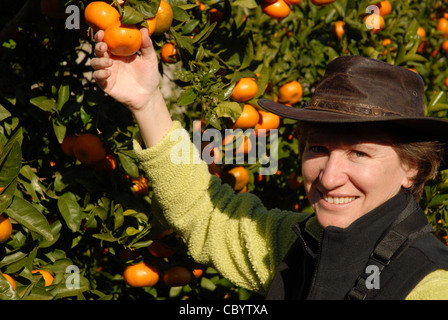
(347, 176)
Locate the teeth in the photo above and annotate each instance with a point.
(339, 200)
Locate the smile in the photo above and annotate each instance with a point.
(338, 200)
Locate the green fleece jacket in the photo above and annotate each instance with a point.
(233, 233)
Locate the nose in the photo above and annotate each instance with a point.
(333, 172)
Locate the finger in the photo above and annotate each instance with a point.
(101, 63)
(146, 47)
(101, 76)
(99, 36)
(101, 49)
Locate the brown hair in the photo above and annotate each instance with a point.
(413, 151)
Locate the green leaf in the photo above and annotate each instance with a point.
(10, 163)
(4, 114)
(128, 164)
(248, 54)
(131, 16)
(44, 104)
(229, 109)
(105, 237)
(438, 200)
(71, 211)
(180, 14)
(183, 42)
(249, 4)
(28, 216)
(5, 201)
(7, 292)
(59, 130)
(187, 97)
(63, 95)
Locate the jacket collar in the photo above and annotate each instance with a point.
(342, 253)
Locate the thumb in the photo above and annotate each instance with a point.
(146, 47)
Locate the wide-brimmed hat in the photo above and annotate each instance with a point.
(357, 89)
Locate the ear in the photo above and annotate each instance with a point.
(411, 172)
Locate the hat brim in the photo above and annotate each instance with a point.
(436, 128)
(427, 128)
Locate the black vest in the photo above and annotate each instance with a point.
(331, 268)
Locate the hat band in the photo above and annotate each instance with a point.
(349, 109)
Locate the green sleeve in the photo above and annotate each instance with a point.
(233, 233)
(432, 287)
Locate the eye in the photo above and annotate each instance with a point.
(359, 154)
(317, 149)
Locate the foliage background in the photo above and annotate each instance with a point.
(65, 213)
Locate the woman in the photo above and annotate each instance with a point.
(365, 152)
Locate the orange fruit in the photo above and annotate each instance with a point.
(385, 7)
(89, 149)
(122, 40)
(67, 145)
(421, 32)
(214, 169)
(140, 185)
(240, 176)
(322, 2)
(48, 278)
(161, 250)
(5, 229)
(211, 152)
(248, 118)
(339, 29)
(198, 273)
(10, 280)
(277, 10)
(245, 89)
(177, 276)
(374, 21)
(52, 8)
(164, 18)
(445, 45)
(244, 143)
(99, 15)
(151, 25)
(290, 93)
(108, 164)
(169, 53)
(442, 25)
(141, 275)
(267, 121)
(214, 15)
(386, 42)
(293, 2)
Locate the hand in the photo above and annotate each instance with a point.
(134, 80)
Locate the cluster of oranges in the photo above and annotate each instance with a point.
(144, 274)
(125, 39)
(90, 151)
(149, 273)
(251, 118)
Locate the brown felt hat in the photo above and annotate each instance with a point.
(356, 89)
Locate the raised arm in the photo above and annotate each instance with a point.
(134, 81)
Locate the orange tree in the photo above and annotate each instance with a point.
(86, 222)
